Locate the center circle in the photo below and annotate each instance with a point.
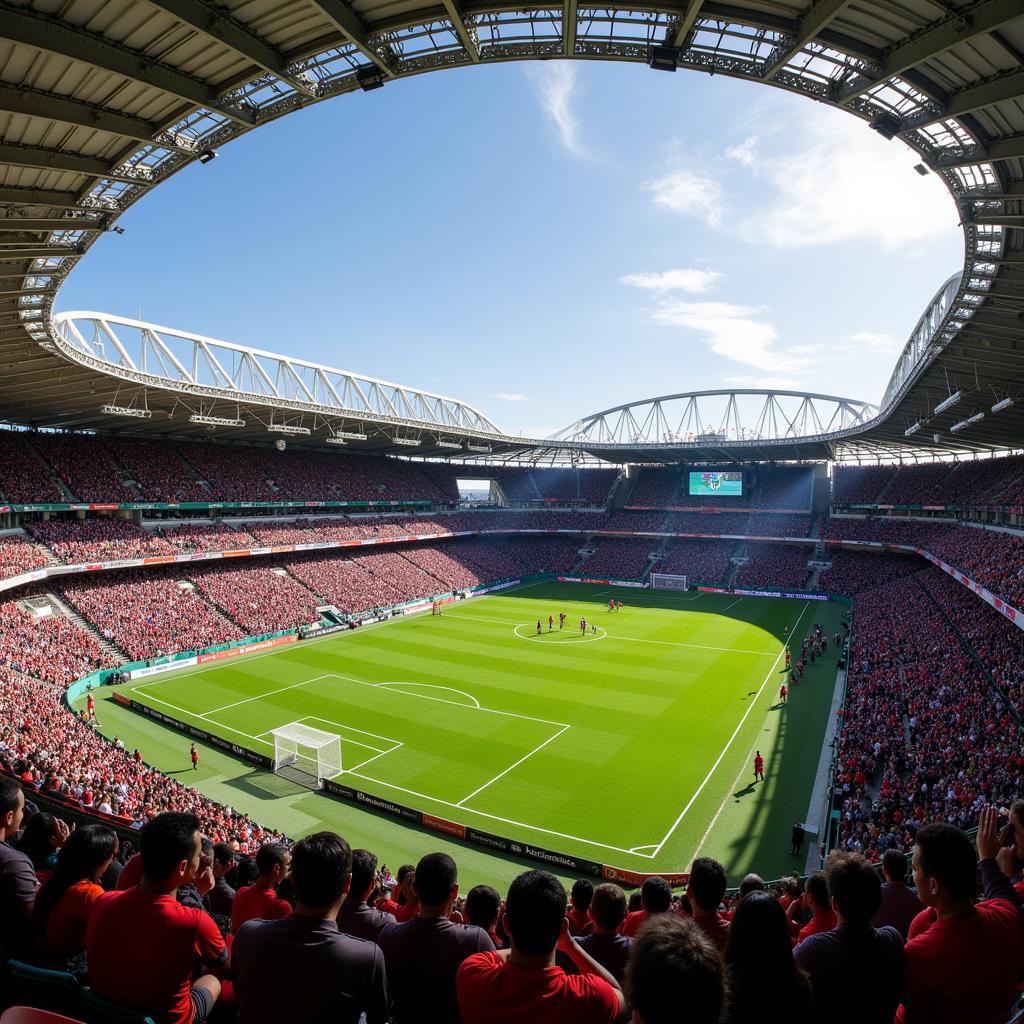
(528, 631)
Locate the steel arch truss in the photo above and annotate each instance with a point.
(723, 418)
(196, 365)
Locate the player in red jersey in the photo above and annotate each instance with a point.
(611, 604)
(758, 767)
(788, 656)
(194, 755)
(561, 619)
(551, 623)
(583, 627)
(783, 693)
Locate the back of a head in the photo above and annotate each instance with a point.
(436, 876)
(608, 908)
(582, 894)
(854, 886)
(759, 935)
(894, 864)
(482, 905)
(656, 894)
(84, 855)
(674, 974)
(165, 842)
(707, 883)
(321, 865)
(944, 853)
(816, 887)
(535, 908)
(751, 883)
(364, 871)
(270, 856)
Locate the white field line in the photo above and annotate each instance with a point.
(631, 639)
(733, 605)
(193, 714)
(571, 636)
(525, 757)
(725, 749)
(433, 686)
(269, 693)
(491, 817)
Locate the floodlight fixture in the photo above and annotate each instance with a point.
(449, 444)
(958, 426)
(286, 428)
(912, 429)
(334, 439)
(215, 421)
(349, 435)
(663, 58)
(126, 410)
(1003, 403)
(921, 169)
(887, 127)
(370, 77)
(948, 403)
(976, 418)
(936, 438)
(484, 449)
(207, 155)
(409, 442)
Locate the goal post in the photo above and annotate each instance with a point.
(668, 581)
(313, 752)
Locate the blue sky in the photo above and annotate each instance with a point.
(545, 240)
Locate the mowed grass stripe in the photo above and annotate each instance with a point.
(646, 720)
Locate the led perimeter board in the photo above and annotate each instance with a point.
(716, 484)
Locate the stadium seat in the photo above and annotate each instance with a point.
(57, 991)
(32, 1015)
(98, 1010)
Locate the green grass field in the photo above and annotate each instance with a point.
(632, 747)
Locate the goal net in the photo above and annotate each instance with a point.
(304, 749)
(668, 581)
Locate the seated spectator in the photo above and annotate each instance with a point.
(260, 899)
(900, 903)
(402, 903)
(579, 913)
(41, 840)
(523, 983)
(142, 945)
(966, 964)
(815, 900)
(424, 954)
(483, 907)
(357, 916)
(302, 967)
(706, 889)
(675, 974)
(764, 981)
(222, 896)
(65, 902)
(18, 882)
(751, 883)
(655, 898)
(604, 943)
(838, 961)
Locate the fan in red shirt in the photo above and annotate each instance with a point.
(260, 900)
(142, 945)
(706, 889)
(578, 915)
(523, 983)
(966, 965)
(783, 693)
(816, 900)
(655, 898)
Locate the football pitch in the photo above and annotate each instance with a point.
(630, 745)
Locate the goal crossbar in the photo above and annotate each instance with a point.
(312, 751)
(668, 581)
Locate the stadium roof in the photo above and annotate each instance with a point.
(103, 101)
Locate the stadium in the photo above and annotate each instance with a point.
(688, 640)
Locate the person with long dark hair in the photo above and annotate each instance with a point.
(41, 838)
(63, 904)
(765, 982)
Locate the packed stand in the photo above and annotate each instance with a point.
(784, 487)
(594, 485)
(98, 540)
(233, 474)
(626, 558)
(158, 469)
(774, 565)
(257, 598)
(150, 615)
(734, 523)
(780, 525)
(52, 648)
(542, 554)
(705, 560)
(84, 466)
(887, 530)
(341, 581)
(405, 580)
(23, 478)
(444, 564)
(654, 488)
(920, 484)
(852, 485)
(637, 522)
(202, 537)
(990, 557)
(851, 572)
(18, 555)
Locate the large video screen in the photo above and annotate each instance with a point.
(716, 484)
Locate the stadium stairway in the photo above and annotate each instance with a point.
(620, 491)
(108, 647)
(51, 473)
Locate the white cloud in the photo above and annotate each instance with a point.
(876, 342)
(693, 195)
(782, 383)
(731, 331)
(745, 153)
(838, 183)
(695, 282)
(514, 396)
(555, 83)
